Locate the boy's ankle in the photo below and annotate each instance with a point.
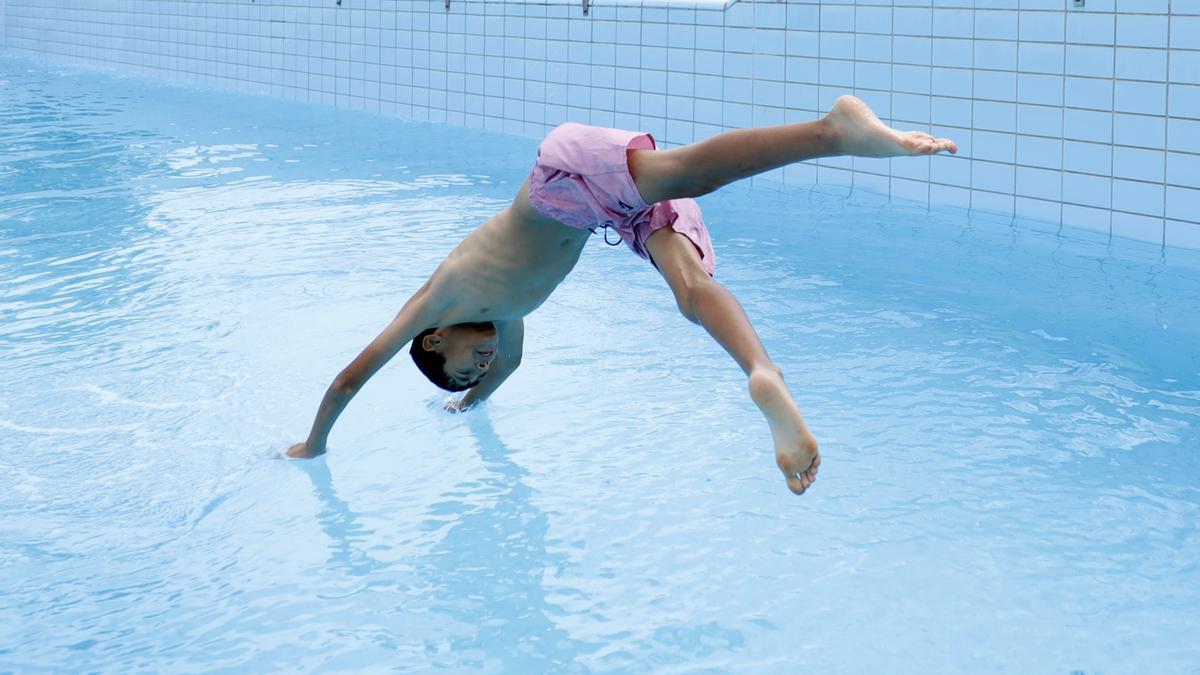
(829, 137)
(768, 369)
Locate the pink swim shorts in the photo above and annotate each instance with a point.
(581, 179)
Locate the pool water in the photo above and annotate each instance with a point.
(1008, 415)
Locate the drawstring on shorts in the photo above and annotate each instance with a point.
(607, 227)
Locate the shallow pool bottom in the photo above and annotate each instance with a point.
(1008, 417)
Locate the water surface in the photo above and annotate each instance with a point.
(1008, 416)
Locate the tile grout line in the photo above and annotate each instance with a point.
(971, 162)
(1062, 131)
(1017, 96)
(250, 73)
(819, 31)
(891, 81)
(929, 164)
(1112, 134)
(1167, 125)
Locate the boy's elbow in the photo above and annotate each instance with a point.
(346, 383)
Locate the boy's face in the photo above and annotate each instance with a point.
(468, 349)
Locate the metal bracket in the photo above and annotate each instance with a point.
(586, 5)
(1078, 3)
(447, 5)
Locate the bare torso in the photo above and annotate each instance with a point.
(507, 267)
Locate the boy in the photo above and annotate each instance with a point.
(465, 321)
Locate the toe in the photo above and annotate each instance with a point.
(796, 485)
(925, 145)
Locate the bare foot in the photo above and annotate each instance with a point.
(795, 448)
(860, 133)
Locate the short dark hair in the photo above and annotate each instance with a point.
(433, 364)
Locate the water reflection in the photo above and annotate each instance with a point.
(486, 572)
(341, 524)
(488, 569)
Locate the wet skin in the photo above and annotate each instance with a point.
(508, 266)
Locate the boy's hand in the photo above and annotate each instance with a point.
(456, 405)
(302, 451)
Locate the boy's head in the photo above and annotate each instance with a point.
(456, 357)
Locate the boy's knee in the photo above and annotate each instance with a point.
(691, 295)
(686, 308)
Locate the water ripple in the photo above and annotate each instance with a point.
(1009, 454)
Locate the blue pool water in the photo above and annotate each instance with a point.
(1008, 417)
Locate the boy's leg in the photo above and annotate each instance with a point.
(850, 128)
(706, 302)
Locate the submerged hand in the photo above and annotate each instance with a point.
(456, 405)
(302, 451)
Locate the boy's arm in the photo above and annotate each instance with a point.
(511, 336)
(413, 318)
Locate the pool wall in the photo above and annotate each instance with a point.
(1085, 116)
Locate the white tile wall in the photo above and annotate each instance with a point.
(1089, 116)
